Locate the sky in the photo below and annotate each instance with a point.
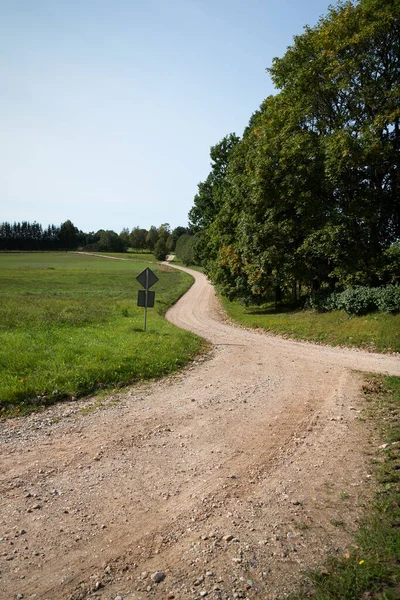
(108, 108)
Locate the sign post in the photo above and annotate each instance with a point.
(146, 298)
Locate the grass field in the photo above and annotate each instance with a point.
(69, 326)
(377, 331)
(130, 255)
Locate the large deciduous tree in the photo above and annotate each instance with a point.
(311, 193)
(345, 75)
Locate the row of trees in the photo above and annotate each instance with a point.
(311, 194)
(32, 236)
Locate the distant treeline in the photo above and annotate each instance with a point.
(26, 236)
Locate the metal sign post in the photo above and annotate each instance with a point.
(145, 312)
(146, 298)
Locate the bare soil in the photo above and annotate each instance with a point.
(228, 479)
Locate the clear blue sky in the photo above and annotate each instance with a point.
(108, 108)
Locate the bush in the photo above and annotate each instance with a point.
(388, 298)
(359, 300)
(323, 300)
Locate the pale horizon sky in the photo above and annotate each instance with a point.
(108, 109)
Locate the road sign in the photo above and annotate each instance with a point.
(146, 298)
(147, 278)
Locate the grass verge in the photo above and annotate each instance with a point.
(371, 568)
(177, 261)
(377, 332)
(69, 326)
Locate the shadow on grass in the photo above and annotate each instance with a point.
(270, 309)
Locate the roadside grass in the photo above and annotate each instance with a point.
(69, 326)
(377, 331)
(177, 261)
(371, 567)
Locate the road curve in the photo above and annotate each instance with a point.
(227, 478)
(198, 311)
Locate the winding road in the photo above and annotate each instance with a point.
(226, 479)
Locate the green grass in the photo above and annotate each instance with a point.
(378, 331)
(69, 326)
(371, 567)
(177, 261)
(130, 255)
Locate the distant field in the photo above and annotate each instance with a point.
(69, 326)
(376, 331)
(136, 256)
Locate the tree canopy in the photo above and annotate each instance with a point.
(310, 194)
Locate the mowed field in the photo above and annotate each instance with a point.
(69, 326)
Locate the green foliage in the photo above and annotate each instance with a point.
(186, 249)
(391, 269)
(323, 300)
(309, 196)
(137, 238)
(208, 200)
(375, 331)
(358, 300)
(68, 235)
(160, 249)
(69, 326)
(152, 237)
(388, 299)
(109, 241)
(175, 235)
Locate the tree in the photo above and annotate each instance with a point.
(186, 248)
(109, 241)
(152, 237)
(207, 201)
(210, 198)
(68, 235)
(125, 238)
(311, 192)
(160, 249)
(175, 235)
(345, 72)
(137, 238)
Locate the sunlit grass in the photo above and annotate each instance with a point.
(377, 331)
(178, 262)
(69, 325)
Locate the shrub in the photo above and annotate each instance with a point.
(322, 300)
(359, 300)
(388, 298)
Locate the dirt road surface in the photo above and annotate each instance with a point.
(224, 481)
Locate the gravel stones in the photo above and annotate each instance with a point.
(157, 577)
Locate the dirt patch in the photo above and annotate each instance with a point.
(225, 480)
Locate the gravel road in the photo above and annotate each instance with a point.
(223, 481)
